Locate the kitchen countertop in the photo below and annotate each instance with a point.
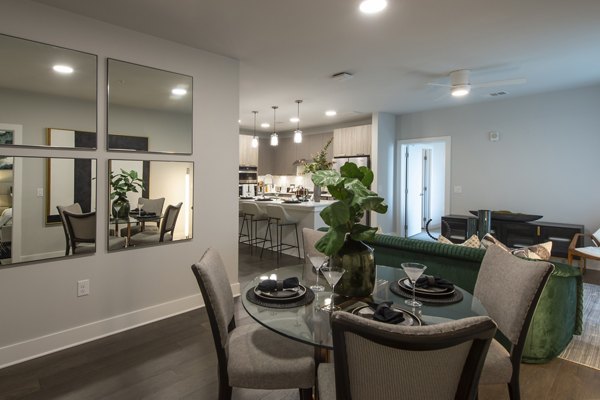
(303, 206)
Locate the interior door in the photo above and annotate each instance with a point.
(413, 192)
(425, 198)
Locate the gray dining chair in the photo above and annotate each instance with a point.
(82, 231)
(73, 208)
(149, 206)
(249, 356)
(509, 288)
(375, 360)
(165, 233)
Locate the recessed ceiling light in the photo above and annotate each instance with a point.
(372, 6)
(239, 121)
(294, 119)
(330, 113)
(265, 125)
(179, 91)
(63, 69)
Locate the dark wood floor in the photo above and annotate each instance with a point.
(174, 359)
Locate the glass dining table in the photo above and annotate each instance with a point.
(310, 323)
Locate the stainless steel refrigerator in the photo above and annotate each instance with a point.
(360, 161)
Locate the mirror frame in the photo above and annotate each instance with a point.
(47, 146)
(134, 148)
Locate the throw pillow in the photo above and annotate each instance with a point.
(542, 251)
(473, 241)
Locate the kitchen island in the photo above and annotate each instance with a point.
(306, 214)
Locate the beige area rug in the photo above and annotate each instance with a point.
(585, 349)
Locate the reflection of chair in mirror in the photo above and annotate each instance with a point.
(73, 208)
(149, 206)
(166, 231)
(375, 360)
(82, 231)
(584, 253)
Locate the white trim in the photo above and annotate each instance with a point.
(29, 349)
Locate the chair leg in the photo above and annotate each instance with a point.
(297, 240)
(225, 391)
(306, 394)
(265, 238)
(514, 390)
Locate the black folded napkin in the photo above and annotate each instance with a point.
(270, 285)
(384, 313)
(430, 281)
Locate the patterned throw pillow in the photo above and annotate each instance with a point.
(473, 241)
(542, 251)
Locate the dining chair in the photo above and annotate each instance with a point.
(249, 356)
(167, 228)
(309, 238)
(82, 231)
(73, 208)
(509, 288)
(149, 206)
(375, 360)
(584, 253)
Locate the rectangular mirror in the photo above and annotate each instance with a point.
(149, 110)
(45, 87)
(150, 203)
(29, 186)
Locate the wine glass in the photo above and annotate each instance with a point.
(140, 206)
(333, 274)
(413, 271)
(317, 260)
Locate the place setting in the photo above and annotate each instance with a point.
(282, 293)
(419, 288)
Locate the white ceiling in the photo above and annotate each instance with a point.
(289, 48)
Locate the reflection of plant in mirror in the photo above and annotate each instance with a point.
(121, 184)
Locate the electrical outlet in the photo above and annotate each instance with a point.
(40, 192)
(83, 287)
(457, 189)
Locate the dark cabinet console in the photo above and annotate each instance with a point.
(515, 234)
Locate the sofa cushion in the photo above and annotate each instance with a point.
(472, 242)
(541, 251)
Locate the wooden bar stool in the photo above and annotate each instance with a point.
(279, 216)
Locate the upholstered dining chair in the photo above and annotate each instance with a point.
(584, 253)
(374, 360)
(73, 208)
(309, 238)
(82, 231)
(165, 233)
(509, 288)
(149, 206)
(249, 356)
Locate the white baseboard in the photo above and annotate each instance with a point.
(26, 350)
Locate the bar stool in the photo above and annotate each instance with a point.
(242, 217)
(252, 216)
(279, 216)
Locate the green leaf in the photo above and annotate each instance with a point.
(335, 214)
(374, 203)
(362, 232)
(332, 242)
(326, 178)
(350, 170)
(358, 189)
(367, 176)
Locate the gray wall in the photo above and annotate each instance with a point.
(40, 311)
(544, 163)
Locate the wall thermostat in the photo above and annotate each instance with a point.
(494, 136)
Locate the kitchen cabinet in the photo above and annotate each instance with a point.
(352, 141)
(248, 154)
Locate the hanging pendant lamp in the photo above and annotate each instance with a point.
(274, 136)
(298, 132)
(254, 138)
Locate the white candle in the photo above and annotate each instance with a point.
(273, 277)
(263, 278)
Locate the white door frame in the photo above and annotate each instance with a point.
(400, 173)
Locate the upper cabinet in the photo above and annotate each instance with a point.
(248, 154)
(149, 110)
(352, 141)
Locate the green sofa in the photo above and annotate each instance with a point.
(559, 312)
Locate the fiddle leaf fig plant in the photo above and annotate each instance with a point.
(124, 182)
(350, 187)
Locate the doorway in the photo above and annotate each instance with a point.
(424, 175)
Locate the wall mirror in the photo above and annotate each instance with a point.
(151, 105)
(30, 190)
(150, 203)
(45, 87)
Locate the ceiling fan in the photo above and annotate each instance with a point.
(460, 84)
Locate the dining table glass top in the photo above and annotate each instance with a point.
(310, 324)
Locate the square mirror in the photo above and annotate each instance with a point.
(45, 87)
(150, 203)
(149, 110)
(32, 190)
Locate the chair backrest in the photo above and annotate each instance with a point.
(509, 288)
(277, 211)
(73, 208)
(596, 238)
(82, 227)
(216, 291)
(152, 205)
(252, 209)
(374, 360)
(169, 221)
(309, 238)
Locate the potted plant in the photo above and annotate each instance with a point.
(121, 184)
(343, 241)
(319, 163)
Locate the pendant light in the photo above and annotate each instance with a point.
(254, 138)
(274, 137)
(298, 132)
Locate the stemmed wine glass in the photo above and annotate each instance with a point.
(413, 271)
(140, 206)
(333, 274)
(317, 260)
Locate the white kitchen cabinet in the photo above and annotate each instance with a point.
(248, 154)
(352, 141)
